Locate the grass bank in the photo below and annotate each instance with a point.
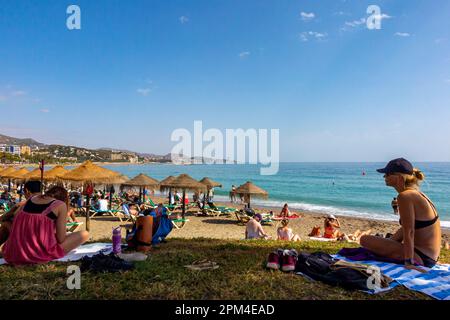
(163, 276)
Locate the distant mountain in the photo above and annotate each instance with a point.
(21, 142)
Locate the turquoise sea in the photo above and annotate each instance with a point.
(338, 188)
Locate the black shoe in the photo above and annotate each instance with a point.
(105, 263)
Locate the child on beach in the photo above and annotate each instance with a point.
(285, 233)
(254, 229)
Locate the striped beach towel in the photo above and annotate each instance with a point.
(435, 283)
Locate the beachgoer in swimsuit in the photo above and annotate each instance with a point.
(285, 233)
(418, 241)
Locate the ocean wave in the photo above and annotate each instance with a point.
(308, 207)
(313, 208)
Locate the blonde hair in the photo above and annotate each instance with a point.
(413, 180)
(284, 223)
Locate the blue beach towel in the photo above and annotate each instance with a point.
(435, 283)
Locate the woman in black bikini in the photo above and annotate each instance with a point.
(418, 241)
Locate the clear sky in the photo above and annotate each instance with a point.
(139, 69)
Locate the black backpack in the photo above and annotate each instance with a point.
(317, 266)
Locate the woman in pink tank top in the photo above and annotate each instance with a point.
(38, 232)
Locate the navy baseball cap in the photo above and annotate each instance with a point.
(399, 165)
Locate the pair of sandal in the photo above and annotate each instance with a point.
(201, 265)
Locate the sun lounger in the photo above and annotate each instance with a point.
(179, 222)
(73, 226)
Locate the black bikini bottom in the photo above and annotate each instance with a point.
(427, 261)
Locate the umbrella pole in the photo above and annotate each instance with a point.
(249, 201)
(184, 203)
(204, 201)
(143, 194)
(88, 219)
(9, 185)
(110, 199)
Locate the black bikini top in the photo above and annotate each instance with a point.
(420, 224)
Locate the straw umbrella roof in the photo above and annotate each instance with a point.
(17, 174)
(210, 183)
(165, 183)
(184, 181)
(91, 173)
(32, 175)
(54, 173)
(142, 180)
(7, 171)
(251, 189)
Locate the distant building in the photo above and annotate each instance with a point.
(133, 159)
(3, 147)
(25, 150)
(14, 149)
(116, 156)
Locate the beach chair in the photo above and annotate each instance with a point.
(125, 214)
(73, 226)
(170, 207)
(219, 210)
(242, 217)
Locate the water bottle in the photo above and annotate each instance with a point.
(117, 240)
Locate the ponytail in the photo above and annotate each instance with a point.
(415, 179)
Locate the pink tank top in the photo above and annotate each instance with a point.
(33, 236)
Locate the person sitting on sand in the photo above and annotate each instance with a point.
(254, 229)
(418, 240)
(285, 233)
(331, 223)
(38, 234)
(285, 211)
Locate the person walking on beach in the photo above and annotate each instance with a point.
(233, 194)
(394, 205)
(418, 240)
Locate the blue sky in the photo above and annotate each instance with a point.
(137, 70)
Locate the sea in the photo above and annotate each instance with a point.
(345, 189)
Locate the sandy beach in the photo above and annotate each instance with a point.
(224, 227)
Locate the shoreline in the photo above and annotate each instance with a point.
(223, 227)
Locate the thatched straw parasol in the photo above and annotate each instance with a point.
(54, 173)
(16, 175)
(32, 175)
(142, 181)
(250, 189)
(165, 183)
(91, 174)
(5, 173)
(186, 182)
(209, 185)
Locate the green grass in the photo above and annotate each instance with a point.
(163, 276)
